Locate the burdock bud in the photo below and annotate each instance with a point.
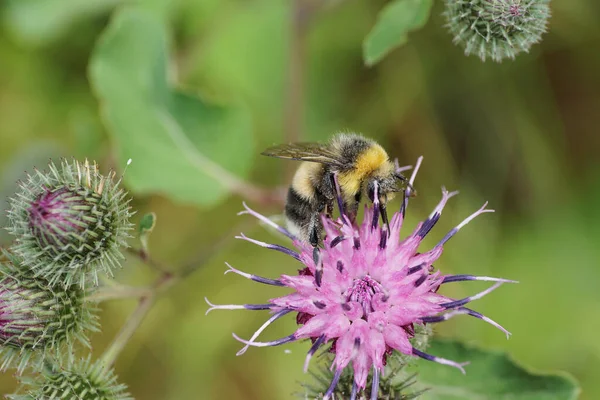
(38, 320)
(70, 222)
(497, 29)
(395, 382)
(76, 380)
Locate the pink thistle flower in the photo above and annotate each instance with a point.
(364, 291)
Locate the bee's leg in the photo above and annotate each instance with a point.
(313, 233)
(329, 208)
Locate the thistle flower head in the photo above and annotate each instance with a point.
(70, 222)
(76, 380)
(38, 320)
(497, 29)
(364, 292)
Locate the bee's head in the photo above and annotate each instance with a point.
(387, 186)
(381, 189)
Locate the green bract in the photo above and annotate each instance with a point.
(70, 222)
(497, 29)
(37, 320)
(81, 380)
(396, 382)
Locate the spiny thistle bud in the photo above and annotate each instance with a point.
(70, 222)
(38, 320)
(395, 382)
(77, 380)
(497, 29)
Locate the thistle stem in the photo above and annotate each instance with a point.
(119, 292)
(147, 295)
(114, 349)
(214, 248)
(145, 258)
(167, 279)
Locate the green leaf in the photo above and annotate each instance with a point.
(182, 145)
(490, 376)
(147, 223)
(146, 227)
(394, 22)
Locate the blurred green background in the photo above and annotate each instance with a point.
(523, 135)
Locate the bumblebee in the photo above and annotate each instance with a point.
(360, 167)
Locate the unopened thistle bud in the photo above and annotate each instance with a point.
(38, 320)
(70, 222)
(76, 380)
(497, 29)
(395, 381)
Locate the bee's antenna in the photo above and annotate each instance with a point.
(404, 179)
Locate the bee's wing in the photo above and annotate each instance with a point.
(313, 152)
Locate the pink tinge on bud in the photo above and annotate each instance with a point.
(19, 326)
(365, 290)
(54, 215)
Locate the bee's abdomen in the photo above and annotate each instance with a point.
(299, 211)
(305, 202)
